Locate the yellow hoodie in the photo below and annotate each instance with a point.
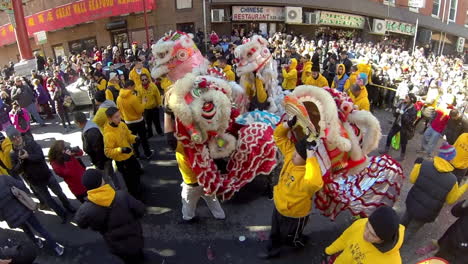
(165, 83)
(297, 184)
(135, 77)
(151, 94)
(339, 76)
(307, 68)
(259, 90)
(102, 85)
(367, 69)
(102, 196)
(7, 146)
(130, 106)
(116, 138)
(355, 250)
(188, 176)
(290, 76)
(441, 165)
(230, 75)
(109, 95)
(362, 102)
(351, 80)
(319, 82)
(461, 146)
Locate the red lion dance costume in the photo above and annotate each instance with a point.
(353, 181)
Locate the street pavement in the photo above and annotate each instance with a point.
(168, 240)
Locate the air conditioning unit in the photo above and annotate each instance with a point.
(379, 27)
(293, 15)
(217, 15)
(311, 18)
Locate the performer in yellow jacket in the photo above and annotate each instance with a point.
(315, 78)
(118, 142)
(138, 70)
(151, 98)
(227, 69)
(5, 149)
(306, 68)
(373, 240)
(290, 75)
(460, 162)
(300, 178)
(359, 98)
(132, 109)
(113, 82)
(100, 118)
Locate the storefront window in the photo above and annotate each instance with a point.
(77, 46)
(435, 8)
(389, 2)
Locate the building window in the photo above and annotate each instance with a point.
(183, 4)
(414, 9)
(436, 8)
(453, 10)
(389, 2)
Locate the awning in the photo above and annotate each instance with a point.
(72, 14)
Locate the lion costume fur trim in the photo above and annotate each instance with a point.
(370, 125)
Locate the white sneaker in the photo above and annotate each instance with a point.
(59, 249)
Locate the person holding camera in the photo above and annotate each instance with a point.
(28, 160)
(66, 164)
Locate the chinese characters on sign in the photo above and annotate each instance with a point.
(72, 14)
(257, 13)
(400, 27)
(341, 20)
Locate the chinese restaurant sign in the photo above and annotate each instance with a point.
(72, 14)
(257, 13)
(341, 20)
(400, 27)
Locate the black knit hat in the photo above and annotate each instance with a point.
(301, 148)
(111, 111)
(92, 179)
(385, 222)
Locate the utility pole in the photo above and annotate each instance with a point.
(145, 16)
(21, 31)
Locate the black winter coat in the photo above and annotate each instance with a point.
(93, 145)
(34, 168)
(407, 121)
(456, 236)
(119, 224)
(11, 210)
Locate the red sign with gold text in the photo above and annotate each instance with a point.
(72, 14)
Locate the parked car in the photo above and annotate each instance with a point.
(79, 92)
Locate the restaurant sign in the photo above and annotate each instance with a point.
(258, 13)
(72, 14)
(341, 20)
(400, 27)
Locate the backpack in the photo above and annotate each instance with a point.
(114, 91)
(22, 122)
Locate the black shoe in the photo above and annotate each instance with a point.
(71, 209)
(64, 219)
(269, 254)
(191, 221)
(43, 206)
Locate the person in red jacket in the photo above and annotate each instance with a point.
(435, 129)
(66, 165)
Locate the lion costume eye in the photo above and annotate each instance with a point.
(182, 54)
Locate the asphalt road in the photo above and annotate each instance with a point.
(208, 241)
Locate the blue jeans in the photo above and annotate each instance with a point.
(32, 109)
(43, 192)
(429, 140)
(32, 223)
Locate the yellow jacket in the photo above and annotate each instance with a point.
(307, 68)
(130, 106)
(297, 184)
(103, 196)
(290, 76)
(355, 250)
(362, 102)
(109, 95)
(102, 85)
(165, 83)
(258, 90)
(351, 80)
(7, 146)
(319, 82)
(367, 69)
(116, 138)
(151, 94)
(461, 146)
(230, 75)
(188, 175)
(441, 165)
(135, 77)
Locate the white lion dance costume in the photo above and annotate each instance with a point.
(259, 75)
(353, 181)
(220, 155)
